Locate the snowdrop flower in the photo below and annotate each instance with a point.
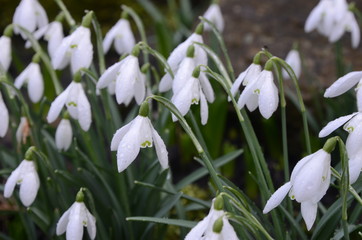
(73, 220)
(214, 226)
(139, 133)
(76, 49)
(179, 53)
(193, 91)
(5, 53)
(53, 33)
(121, 35)
(293, 60)
(353, 125)
(27, 177)
(343, 84)
(30, 15)
(347, 24)
(32, 76)
(64, 135)
(74, 98)
(261, 93)
(128, 78)
(23, 131)
(213, 14)
(4, 116)
(308, 183)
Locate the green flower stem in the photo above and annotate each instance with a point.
(67, 14)
(169, 105)
(354, 193)
(291, 73)
(44, 57)
(340, 66)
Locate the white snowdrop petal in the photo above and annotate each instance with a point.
(63, 222)
(41, 16)
(12, 180)
(5, 54)
(35, 84)
(198, 231)
(179, 52)
(109, 38)
(309, 213)
(165, 83)
(91, 225)
(293, 59)
(118, 136)
(228, 232)
(268, 97)
(126, 80)
(4, 116)
(140, 88)
(72, 99)
(204, 109)
(74, 228)
(354, 166)
(206, 87)
(359, 98)
(355, 33)
(213, 14)
(84, 111)
(354, 141)
(82, 55)
(333, 125)
(343, 84)
(62, 55)
(252, 73)
(63, 135)
(277, 197)
(300, 165)
(25, 17)
(23, 77)
(253, 102)
(314, 17)
(182, 100)
(184, 72)
(57, 105)
(109, 75)
(124, 39)
(55, 36)
(236, 85)
(161, 150)
(29, 187)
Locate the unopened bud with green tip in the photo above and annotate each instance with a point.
(196, 72)
(330, 144)
(219, 203)
(8, 32)
(29, 154)
(190, 51)
(218, 225)
(144, 109)
(87, 19)
(80, 196)
(200, 29)
(136, 50)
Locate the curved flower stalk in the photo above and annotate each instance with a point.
(214, 15)
(27, 177)
(343, 84)
(53, 33)
(76, 101)
(5, 53)
(64, 135)
(32, 76)
(332, 18)
(23, 131)
(180, 52)
(294, 61)
(76, 49)
(73, 220)
(4, 116)
(192, 90)
(353, 125)
(139, 133)
(127, 77)
(30, 15)
(121, 36)
(214, 226)
(261, 92)
(308, 183)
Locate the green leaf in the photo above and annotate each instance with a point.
(168, 221)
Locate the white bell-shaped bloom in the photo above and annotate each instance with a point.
(63, 135)
(23, 131)
(347, 24)
(128, 78)
(309, 182)
(76, 101)
(179, 53)
(27, 177)
(293, 60)
(213, 14)
(32, 76)
(353, 125)
(343, 84)
(73, 221)
(204, 229)
(30, 15)
(122, 36)
(53, 33)
(139, 133)
(5, 53)
(261, 93)
(76, 49)
(4, 116)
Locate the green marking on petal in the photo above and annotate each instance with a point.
(194, 101)
(350, 129)
(72, 104)
(146, 144)
(257, 91)
(292, 197)
(73, 46)
(323, 178)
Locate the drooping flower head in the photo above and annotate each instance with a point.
(294, 61)
(32, 76)
(139, 133)
(128, 78)
(75, 218)
(214, 15)
(27, 177)
(5, 46)
(308, 183)
(76, 101)
(76, 49)
(121, 35)
(30, 15)
(4, 117)
(214, 226)
(64, 134)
